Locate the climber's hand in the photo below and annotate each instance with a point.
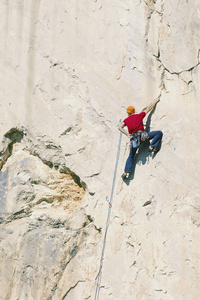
(157, 100)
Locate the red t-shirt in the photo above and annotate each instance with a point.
(135, 122)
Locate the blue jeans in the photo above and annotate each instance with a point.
(129, 161)
(156, 136)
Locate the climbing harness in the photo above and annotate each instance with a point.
(107, 222)
(137, 137)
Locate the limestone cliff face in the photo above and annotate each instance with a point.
(68, 70)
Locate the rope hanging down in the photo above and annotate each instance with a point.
(107, 223)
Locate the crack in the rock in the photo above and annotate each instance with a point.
(165, 69)
(71, 288)
(66, 131)
(60, 274)
(198, 54)
(174, 72)
(93, 175)
(180, 72)
(151, 10)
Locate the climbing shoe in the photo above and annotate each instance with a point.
(125, 176)
(153, 149)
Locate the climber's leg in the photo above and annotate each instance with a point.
(129, 161)
(156, 136)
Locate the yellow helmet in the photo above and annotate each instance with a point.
(130, 110)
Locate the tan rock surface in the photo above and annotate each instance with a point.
(68, 70)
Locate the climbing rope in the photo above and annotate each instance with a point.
(107, 222)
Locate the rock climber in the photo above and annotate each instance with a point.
(136, 132)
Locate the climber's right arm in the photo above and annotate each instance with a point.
(121, 128)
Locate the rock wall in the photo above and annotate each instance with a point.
(68, 70)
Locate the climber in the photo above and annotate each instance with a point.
(136, 132)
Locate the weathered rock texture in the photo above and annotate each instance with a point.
(68, 70)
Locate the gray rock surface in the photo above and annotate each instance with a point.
(68, 70)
